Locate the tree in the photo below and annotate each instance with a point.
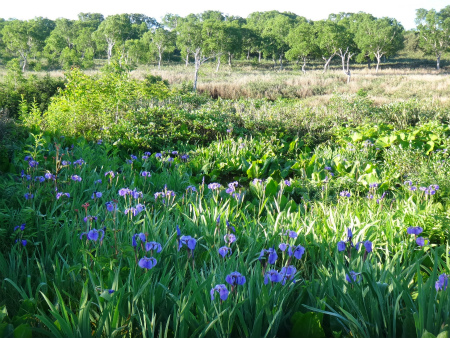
(190, 40)
(114, 30)
(327, 33)
(379, 37)
(302, 43)
(19, 39)
(274, 35)
(187, 32)
(161, 40)
(434, 30)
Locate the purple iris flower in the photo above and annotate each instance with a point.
(49, 176)
(341, 246)
(110, 173)
(222, 290)
(28, 158)
(373, 185)
(39, 178)
(124, 191)
(257, 181)
(24, 242)
(191, 188)
(298, 251)
(271, 253)
(79, 162)
(184, 157)
(188, 241)
(345, 193)
(273, 276)
(283, 246)
(235, 278)
(287, 182)
(328, 168)
(292, 234)
(442, 282)
(353, 277)
(288, 273)
(223, 251)
(21, 227)
(28, 196)
(147, 153)
(66, 163)
(368, 246)
(153, 246)
(158, 155)
(94, 233)
(146, 174)
(349, 234)
(33, 164)
(413, 188)
(76, 178)
(96, 194)
(147, 263)
(414, 230)
(98, 182)
(110, 206)
(230, 227)
(420, 241)
(136, 194)
(141, 237)
(229, 238)
(214, 186)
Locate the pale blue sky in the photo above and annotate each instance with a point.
(402, 10)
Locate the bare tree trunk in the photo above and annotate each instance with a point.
(159, 61)
(110, 47)
(304, 65)
(281, 61)
(229, 59)
(25, 59)
(327, 62)
(438, 62)
(218, 64)
(248, 54)
(187, 59)
(197, 67)
(259, 57)
(378, 63)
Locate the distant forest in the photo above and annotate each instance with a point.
(133, 39)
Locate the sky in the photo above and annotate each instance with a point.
(402, 10)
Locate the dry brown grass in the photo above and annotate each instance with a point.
(386, 86)
(245, 80)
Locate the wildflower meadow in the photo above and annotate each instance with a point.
(251, 228)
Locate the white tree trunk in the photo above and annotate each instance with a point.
(229, 59)
(304, 65)
(281, 61)
(378, 62)
(218, 64)
(327, 62)
(438, 62)
(197, 62)
(259, 57)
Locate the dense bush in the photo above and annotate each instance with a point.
(39, 89)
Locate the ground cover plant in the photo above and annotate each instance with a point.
(151, 211)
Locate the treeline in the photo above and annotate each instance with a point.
(41, 43)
